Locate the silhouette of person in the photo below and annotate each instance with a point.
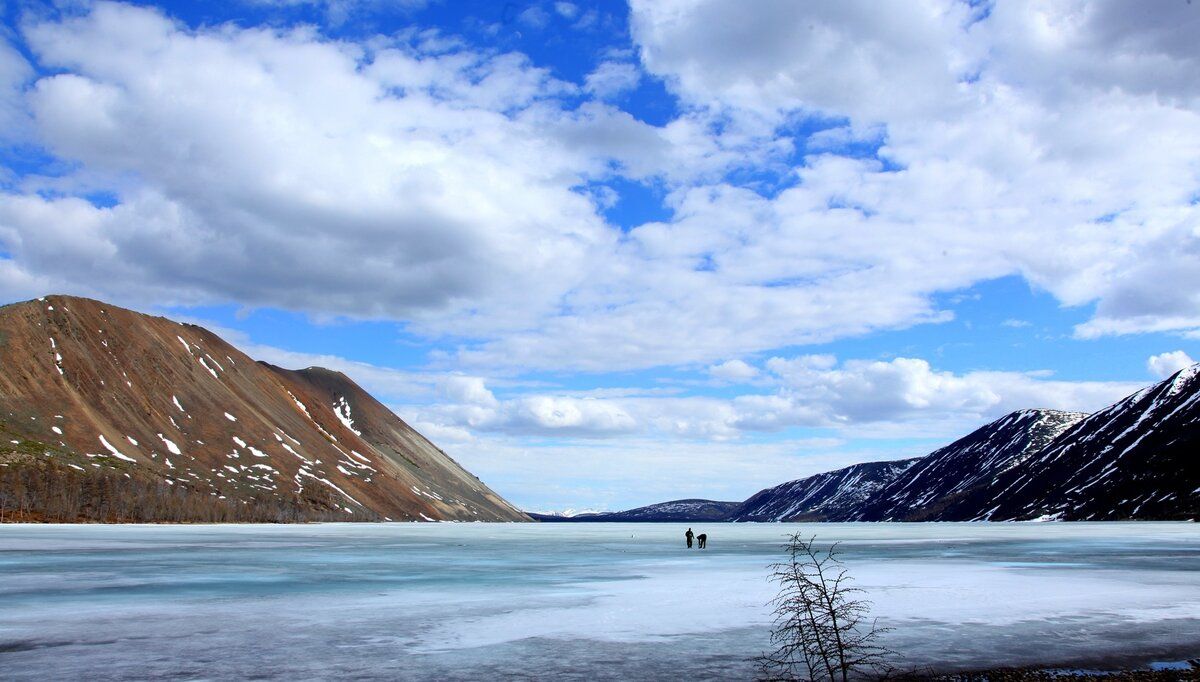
(703, 538)
(688, 536)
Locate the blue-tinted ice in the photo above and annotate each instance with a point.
(586, 601)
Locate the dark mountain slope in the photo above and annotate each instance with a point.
(1137, 459)
(831, 496)
(938, 479)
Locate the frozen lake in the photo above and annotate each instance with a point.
(575, 601)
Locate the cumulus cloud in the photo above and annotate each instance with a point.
(733, 371)
(612, 78)
(861, 59)
(414, 178)
(865, 406)
(1037, 122)
(909, 389)
(285, 172)
(1164, 365)
(903, 397)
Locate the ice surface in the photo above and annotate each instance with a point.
(569, 601)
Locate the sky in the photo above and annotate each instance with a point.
(610, 254)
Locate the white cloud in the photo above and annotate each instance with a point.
(612, 78)
(869, 61)
(534, 16)
(469, 390)
(15, 72)
(873, 411)
(416, 179)
(1164, 365)
(1014, 323)
(1071, 124)
(566, 10)
(909, 390)
(901, 398)
(735, 371)
(287, 173)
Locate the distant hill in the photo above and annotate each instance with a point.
(674, 511)
(831, 495)
(109, 414)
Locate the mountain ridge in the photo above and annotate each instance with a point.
(109, 389)
(691, 509)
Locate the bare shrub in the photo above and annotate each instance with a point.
(820, 627)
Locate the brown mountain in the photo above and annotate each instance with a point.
(139, 417)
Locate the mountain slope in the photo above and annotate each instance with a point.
(830, 496)
(675, 511)
(934, 482)
(1136, 459)
(105, 389)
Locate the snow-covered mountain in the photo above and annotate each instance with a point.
(675, 510)
(110, 414)
(929, 489)
(568, 513)
(1137, 459)
(831, 496)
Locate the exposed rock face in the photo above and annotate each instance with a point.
(831, 496)
(103, 388)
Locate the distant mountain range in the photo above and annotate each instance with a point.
(109, 414)
(1137, 459)
(677, 510)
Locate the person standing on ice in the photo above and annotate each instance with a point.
(688, 536)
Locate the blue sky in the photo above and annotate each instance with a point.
(612, 254)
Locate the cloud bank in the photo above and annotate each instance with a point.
(415, 178)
